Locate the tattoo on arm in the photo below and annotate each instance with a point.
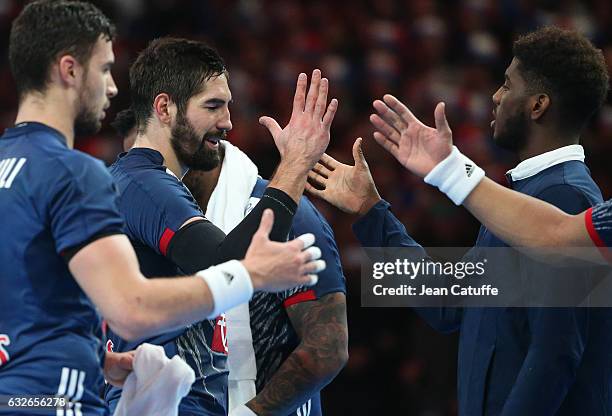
(321, 354)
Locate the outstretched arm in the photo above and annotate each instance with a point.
(517, 219)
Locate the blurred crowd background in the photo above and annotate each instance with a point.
(422, 51)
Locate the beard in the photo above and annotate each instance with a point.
(513, 136)
(191, 150)
(86, 122)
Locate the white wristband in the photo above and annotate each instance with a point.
(242, 410)
(229, 284)
(456, 176)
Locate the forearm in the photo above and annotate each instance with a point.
(290, 177)
(299, 378)
(321, 354)
(161, 305)
(199, 245)
(521, 220)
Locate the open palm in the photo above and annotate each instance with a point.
(349, 188)
(417, 147)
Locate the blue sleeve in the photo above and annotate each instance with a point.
(380, 228)
(309, 220)
(154, 207)
(558, 335)
(82, 202)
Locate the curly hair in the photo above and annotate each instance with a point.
(565, 65)
(47, 29)
(177, 67)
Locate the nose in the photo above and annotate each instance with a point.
(225, 122)
(497, 96)
(112, 89)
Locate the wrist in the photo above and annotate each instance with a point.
(456, 176)
(367, 205)
(229, 284)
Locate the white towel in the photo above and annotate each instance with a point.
(156, 385)
(226, 209)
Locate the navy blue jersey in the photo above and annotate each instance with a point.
(154, 204)
(52, 199)
(273, 336)
(599, 225)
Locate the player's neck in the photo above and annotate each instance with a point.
(158, 139)
(50, 111)
(545, 141)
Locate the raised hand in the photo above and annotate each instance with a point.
(349, 188)
(304, 139)
(274, 266)
(417, 147)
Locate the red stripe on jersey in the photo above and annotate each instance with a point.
(165, 240)
(300, 297)
(597, 240)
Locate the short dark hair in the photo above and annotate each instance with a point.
(124, 122)
(47, 29)
(177, 67)
(565, 65)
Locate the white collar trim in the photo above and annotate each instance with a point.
(537, 164)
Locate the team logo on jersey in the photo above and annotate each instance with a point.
(110, 347)
(4, 355)
(219, 341)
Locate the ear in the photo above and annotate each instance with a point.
(539, 104)
(163, 108)
(70, 71)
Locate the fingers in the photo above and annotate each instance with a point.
(300, 95)
(266, 223)
(322, 170)
(307, 239)
(309, 280)
(387, 144)
(400, 109)
(440, 117)
(313, 267)
(314, 191)
(329, 161)
(317, 179)
(313, 91)
(358, 156)
(321, 103)
(271, 125)
(330, 113)
(314, 253)
(390, 116)
(383, 127)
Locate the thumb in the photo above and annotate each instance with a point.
(265, 225)
(358, 156)
(440, 117)
(271, 125)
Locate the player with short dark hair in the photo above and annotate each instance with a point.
(298, 337)
(125, 126)
(64, 252)
(181, 98)
(528, 361)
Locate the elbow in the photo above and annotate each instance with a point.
(336, 358)
(131, 325)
